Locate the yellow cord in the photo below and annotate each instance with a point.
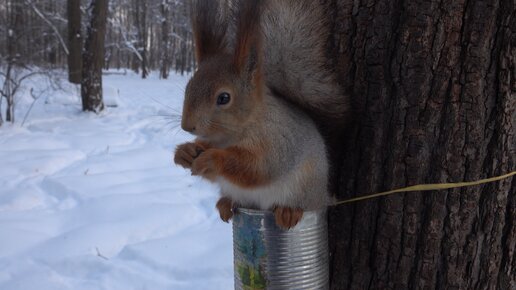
(427, 187)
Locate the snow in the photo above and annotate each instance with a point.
(94, 201)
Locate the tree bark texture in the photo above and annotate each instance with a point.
(74, 41)
(433, 88)
(93, 58)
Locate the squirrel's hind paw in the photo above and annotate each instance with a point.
(287, 217)
(225, 207)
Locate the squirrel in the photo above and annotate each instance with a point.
(252, 104)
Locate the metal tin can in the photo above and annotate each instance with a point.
(268, 257)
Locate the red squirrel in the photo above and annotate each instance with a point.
(247, 105)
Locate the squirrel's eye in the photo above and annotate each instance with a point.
(223, 99)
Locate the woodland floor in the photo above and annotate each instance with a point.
(94, 202)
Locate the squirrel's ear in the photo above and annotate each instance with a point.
(248, 54)
(209, 28)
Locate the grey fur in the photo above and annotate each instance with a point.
(295, 145)
(295, 62)
(296, 65)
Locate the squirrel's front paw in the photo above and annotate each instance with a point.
(205, 165)
(225, 207)
(287, 217)
(186, 154)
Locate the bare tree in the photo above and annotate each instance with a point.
(165, 39)
(153, 34)
(12, 59)
(18, 57)
(74, 41)
(140, 22)
(93, 57)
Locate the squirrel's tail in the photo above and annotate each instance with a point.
(296, 65)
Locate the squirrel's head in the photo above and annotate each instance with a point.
(225, 94)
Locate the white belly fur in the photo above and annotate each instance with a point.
(280, 192)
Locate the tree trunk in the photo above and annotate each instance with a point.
(140, 22)
(165, 40)
(93, 58)
(14, 34)
(433, 85)
(143, 38)
(74, 41)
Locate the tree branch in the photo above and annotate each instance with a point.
(63, 44)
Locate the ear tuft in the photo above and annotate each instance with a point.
(247, 57)
(209, 28)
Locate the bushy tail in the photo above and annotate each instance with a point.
(295, 63)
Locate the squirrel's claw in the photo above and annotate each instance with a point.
(287, 217)
(225, 207)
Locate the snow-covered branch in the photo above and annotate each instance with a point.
(42, 16)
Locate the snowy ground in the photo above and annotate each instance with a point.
(94, 202)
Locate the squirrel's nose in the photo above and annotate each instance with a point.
(188, 127)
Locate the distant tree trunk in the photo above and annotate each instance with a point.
(9, 96)
(74, 41)
(11, 58)
(183, 51)
(165, 40)
(434, 89)
(144, 38)
(140, 18)
(93, 58)
(15, 24)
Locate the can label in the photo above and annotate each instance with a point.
(250, 265)
(268, 257)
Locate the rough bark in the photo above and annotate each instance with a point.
(433, 84)
(74, 41)
(93, 58)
